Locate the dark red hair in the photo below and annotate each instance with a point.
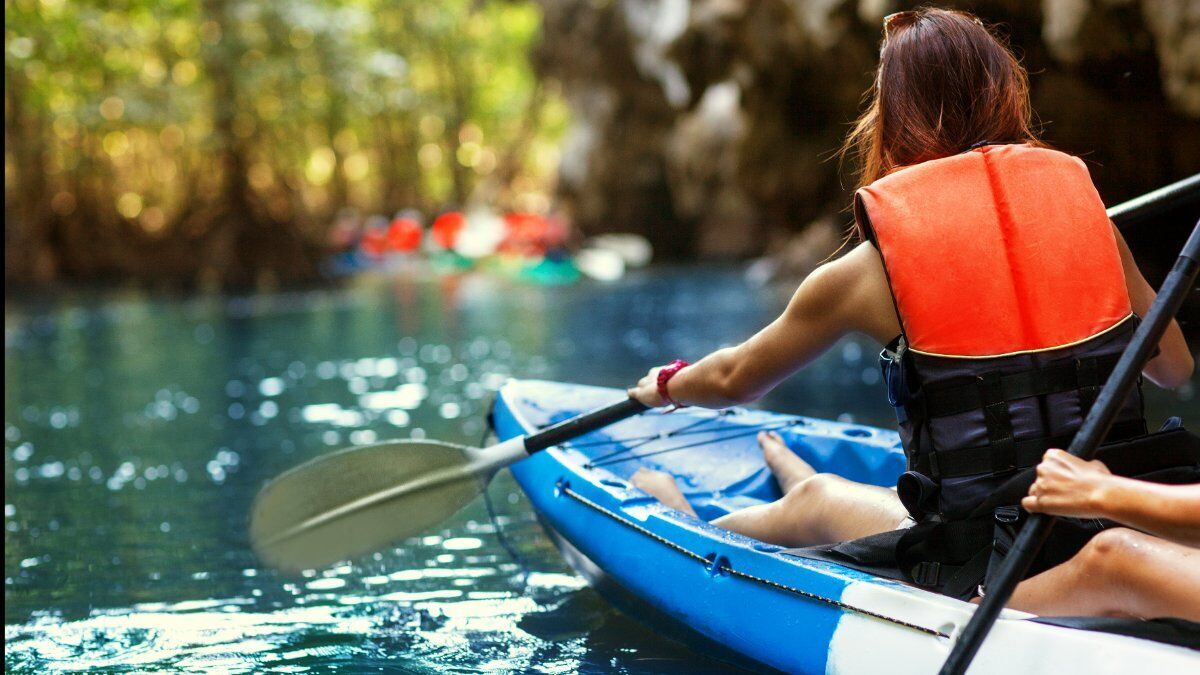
(944, 84)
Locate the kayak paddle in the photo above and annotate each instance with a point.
(1179, 193)
(1093, 430)
(362, 499)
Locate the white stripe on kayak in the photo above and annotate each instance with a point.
(1014, 646)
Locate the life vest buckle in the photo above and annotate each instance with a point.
(934, 471)
(926, 573)
(1007, 514)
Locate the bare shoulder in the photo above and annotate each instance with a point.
(846, 295)
(850, 268)
(865, 259)
(858, 271)
(863, 297)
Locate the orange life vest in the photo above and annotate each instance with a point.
(1013, 310)
(999, 250)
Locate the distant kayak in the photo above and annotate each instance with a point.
(753, 603)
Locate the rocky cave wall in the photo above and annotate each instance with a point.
(710, 125)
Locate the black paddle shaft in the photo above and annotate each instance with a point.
(583, 424)
(1087, 440)
(1179, 193)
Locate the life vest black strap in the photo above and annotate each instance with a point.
(953, 398)
(1002, 448)
(954, 555)
(1011, 454)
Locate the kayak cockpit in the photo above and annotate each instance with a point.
(713, 455)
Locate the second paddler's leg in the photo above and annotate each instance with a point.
(1120, 572)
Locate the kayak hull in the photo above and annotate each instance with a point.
(741, 599)
(640, 609)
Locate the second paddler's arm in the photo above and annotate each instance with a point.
(846, 295)
(1069, 486)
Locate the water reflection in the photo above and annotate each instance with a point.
(137, 431)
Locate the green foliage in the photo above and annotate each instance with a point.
(149, 122)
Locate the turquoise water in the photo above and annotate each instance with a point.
(138, 429)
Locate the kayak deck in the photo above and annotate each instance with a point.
(780, 611)
(714, 455)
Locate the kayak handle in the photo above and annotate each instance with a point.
(583, 424)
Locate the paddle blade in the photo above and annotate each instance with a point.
(361, 500)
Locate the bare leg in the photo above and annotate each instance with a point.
(815, 509)
(662, 487)
(821, 509)
(789, 469)
(1120, 572)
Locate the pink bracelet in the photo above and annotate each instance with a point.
(664, 376)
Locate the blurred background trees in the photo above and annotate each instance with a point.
(214, 142)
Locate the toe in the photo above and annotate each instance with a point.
(770, 441)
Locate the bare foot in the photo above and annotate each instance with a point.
(662, 487)
(789, 469)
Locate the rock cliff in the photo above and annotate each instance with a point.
(710, 126)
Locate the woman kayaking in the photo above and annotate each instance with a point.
(989, 268)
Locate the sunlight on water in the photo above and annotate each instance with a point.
(137, 431)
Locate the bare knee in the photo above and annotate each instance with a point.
(813, 494)
(814, 489)
(1108, 557)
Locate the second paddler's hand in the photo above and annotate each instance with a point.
(646, 391)
(1068, 486)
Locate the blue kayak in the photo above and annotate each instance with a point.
(745, 600)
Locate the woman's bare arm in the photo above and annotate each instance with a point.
(1173, 365)
(1069, 486)
(1169, 511)
(845, 295)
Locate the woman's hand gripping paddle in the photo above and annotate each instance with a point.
(359, 500)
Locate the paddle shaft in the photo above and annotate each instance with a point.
(1084, 445)
(1151, 203)
(582, 424)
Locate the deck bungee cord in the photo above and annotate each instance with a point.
(635, 442)
(645, 438)
(698, 427)
(716, 566)
(741, 432)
